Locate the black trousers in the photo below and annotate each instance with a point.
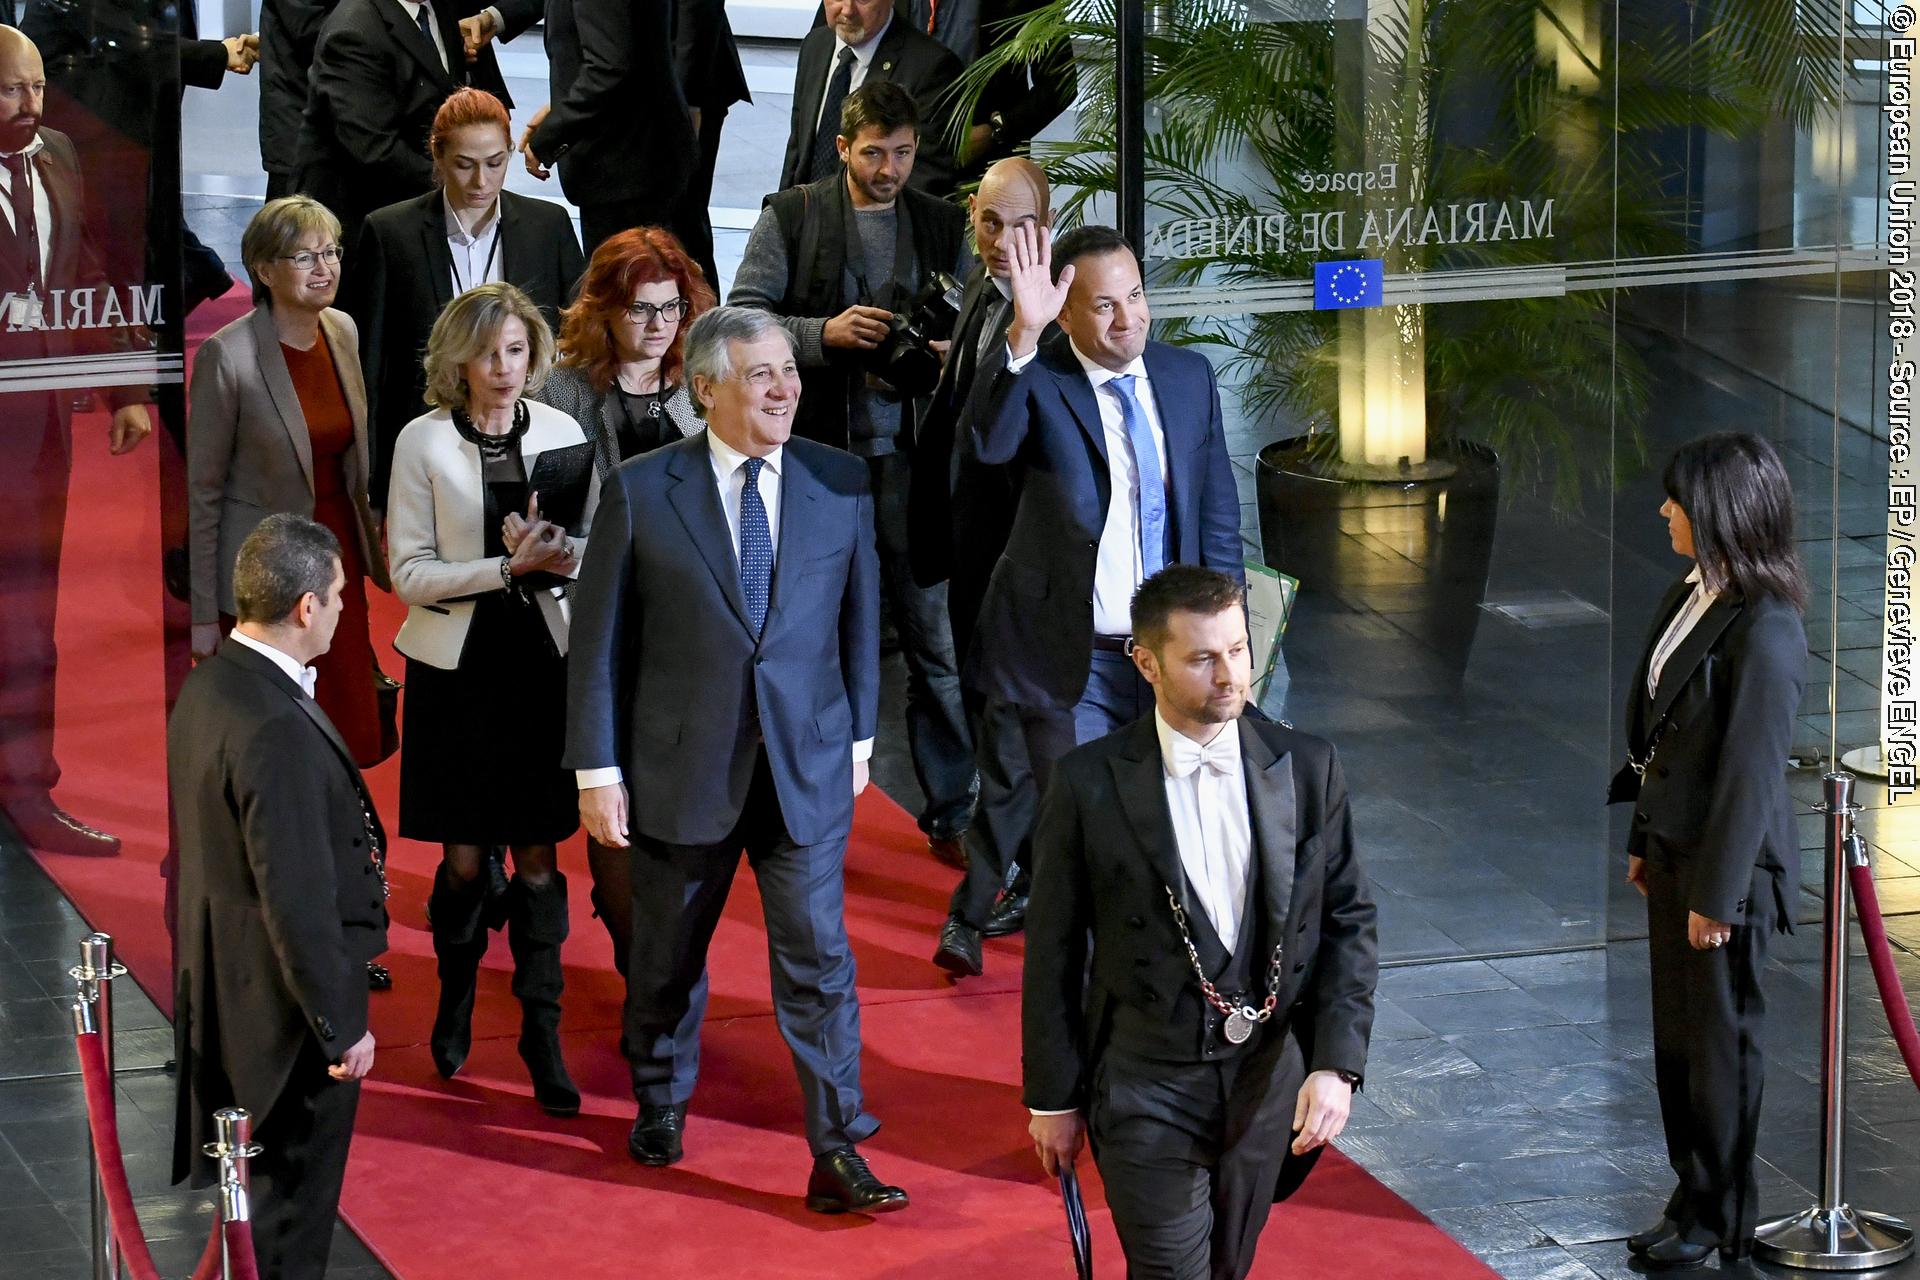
(296, 1178)
(1001, 832)
(36, 454)
(679, 892)
(692, 221)
(601, 222)
(1708, 1015)
(1191, 1155)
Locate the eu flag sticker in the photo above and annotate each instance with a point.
(1356, 283)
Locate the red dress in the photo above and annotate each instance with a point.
(344, 673)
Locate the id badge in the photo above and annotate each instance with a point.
(25, 311)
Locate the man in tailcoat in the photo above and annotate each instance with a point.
(282, 899)
(1209, 1044)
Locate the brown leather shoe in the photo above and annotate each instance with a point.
(948, 851)
(47, 827)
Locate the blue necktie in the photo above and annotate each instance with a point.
(756, 546)
(826, 156)
(1153, 488)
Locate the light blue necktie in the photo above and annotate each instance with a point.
(756, 546)
(1153, 487)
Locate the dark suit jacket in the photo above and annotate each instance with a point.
(400, 277)
(1714, 799)
(280, 905)
(659, 597)
(1104, 855)
(706, 57)
(1028, 97)
(911, 59)
(375, 85)
(289, 29)
(1035, 633)
(619, 128)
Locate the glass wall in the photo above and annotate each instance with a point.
(1469, 270)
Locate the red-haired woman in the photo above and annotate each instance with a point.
(415, 257)
(619, 374)
(620, 377)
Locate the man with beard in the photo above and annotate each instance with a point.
(1211, 1048)
(44, 251)
(834, 259)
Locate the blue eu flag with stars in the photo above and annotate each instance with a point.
(1355, 283)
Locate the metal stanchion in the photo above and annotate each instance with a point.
(232, 1147)
(94, 977)
(1833, 1235)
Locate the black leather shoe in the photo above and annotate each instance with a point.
(379, 977)
(1009, 915)
(1671, 1253)
(948, 851)
(842, 1183)
(655, 1139)
(45, 826)
(1641, 1241)
(959, 950)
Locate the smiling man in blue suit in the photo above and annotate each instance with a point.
(1116, 446)
(723, 687)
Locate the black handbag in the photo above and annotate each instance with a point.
(386, 691)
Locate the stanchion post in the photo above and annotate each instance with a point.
(94, 977)
(1832, 1235)
(233, 1146)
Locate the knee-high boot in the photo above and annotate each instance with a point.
(612, 896)
(459, 941)
(536, 926)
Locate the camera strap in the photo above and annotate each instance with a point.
(888, 295)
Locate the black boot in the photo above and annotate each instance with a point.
(536, 926)
(459, 941)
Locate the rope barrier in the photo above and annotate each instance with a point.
(1880, 954)
(104, 1124)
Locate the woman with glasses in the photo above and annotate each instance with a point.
(415, 257)
(1712, 846)
(486, 570)
(277, 421)
(621, 377)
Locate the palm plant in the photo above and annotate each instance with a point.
(1490, 100)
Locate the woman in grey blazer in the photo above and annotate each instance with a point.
(1712, 846)
(277, 421)
(486, 580)
(621, 377)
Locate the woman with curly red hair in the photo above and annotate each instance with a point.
(620, 370)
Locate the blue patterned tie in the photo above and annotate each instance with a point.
(756, 546)
(1153, 488)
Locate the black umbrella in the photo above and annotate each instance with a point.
(1077, 1223)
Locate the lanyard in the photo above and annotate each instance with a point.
(493, 251)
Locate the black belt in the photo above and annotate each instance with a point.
(1113, 644)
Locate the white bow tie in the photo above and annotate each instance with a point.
(1189, 755)
(307, 678)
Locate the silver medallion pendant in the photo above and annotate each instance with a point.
(1238, 1027)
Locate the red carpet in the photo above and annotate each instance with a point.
(468, 1178)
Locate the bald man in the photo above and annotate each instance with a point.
(44, 252)
(961, 509)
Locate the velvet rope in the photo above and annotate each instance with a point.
(1885, 975)
(208, 1268)
(104, 1123)
(240, 1249)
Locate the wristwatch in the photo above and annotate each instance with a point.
(997, 126)
(1352, 1078)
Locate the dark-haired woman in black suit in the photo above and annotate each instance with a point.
(1712, 846)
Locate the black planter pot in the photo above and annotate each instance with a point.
(1415, 550)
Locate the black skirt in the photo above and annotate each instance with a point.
(480, 746)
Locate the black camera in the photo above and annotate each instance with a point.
(905, 359)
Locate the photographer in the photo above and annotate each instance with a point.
(847, 263)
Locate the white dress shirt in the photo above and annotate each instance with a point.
(412, 8)
(1677, 631)
(1118, 569)
(730, 476)
(42, 204)
(862, 59)
(476, 252)
(305, 677)
(1207, 797)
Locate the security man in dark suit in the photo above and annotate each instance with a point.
(961, 510)
(864, 42)
(1021, 99)
(282, 899)
(1210, 1049)
(725, 666)
(707, 61)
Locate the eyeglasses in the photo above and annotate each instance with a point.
(644, 312)
(306, 258)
